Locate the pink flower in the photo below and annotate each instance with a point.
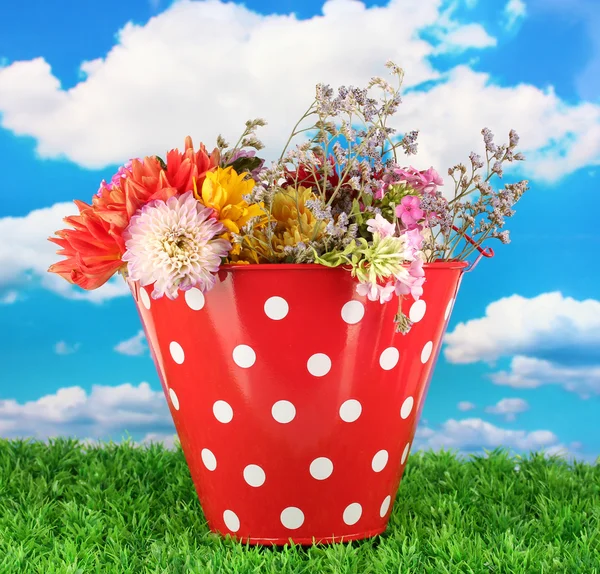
(409, 210)
(381, 225)
(413, 282)
(423, 181)
(414, 238)
(373, 291)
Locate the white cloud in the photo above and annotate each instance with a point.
(104, 412)
(166, 65)
(551, 339)
(474, 433)
(509, 408)
(466, 406)
(514, 11)
(63, 348)
(170, 441)
(9, 297)
(26, 253)
(529, 373)
(134, 347)
(515, 325)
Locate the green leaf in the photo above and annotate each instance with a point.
(163, 165)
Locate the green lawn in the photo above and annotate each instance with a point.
(118, 508)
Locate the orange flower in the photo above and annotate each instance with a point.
(185, 167)
(146, 182)
(93, 249)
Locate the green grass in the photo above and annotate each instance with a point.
(119, 508)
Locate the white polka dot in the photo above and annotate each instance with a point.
(417, 311)
(385, 506)
(321, 468)
(174, 399)
(194, 299)
(353, 312)
(231, 520)
(254, 475)
(292, 518)
(176, 352)
(319, 365)
(145, 298)
(209, 459)
(448, 309)
(283, 412)
(352, 513)
(389, 358)
(380, 460)
(407, 406)
(426, 352)
(405, 453)
(223, 412)
(276, 308)
(244, 356)
(350, 410)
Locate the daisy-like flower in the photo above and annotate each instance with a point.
(172, 244)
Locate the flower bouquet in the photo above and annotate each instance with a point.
(295, 310)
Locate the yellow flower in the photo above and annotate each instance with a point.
(294, 223)
(224, 190)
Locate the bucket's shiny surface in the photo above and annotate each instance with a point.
(294, 399)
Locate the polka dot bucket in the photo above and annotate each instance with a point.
(294, 399)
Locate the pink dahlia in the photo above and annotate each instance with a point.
(173, 244)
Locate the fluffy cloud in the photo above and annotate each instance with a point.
(161, 82)
(551, 339)
(514, 11)
(106, 411)
(466, 406)
(134, 347)
(9, 297)
(474, 434)
(63, 348)
(529, 373)
(549, 323)
(509, 408)
(26, 253)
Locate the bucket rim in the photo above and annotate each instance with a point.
(456, 264)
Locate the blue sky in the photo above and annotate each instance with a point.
(525, 64)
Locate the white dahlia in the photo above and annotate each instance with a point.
(172, 244)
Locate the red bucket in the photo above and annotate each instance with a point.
(294, 399)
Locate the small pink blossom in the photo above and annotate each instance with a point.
(412, 284)
(423, 181)
(373, 291)
(409, 211)
(381, 225)
(414, 239)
